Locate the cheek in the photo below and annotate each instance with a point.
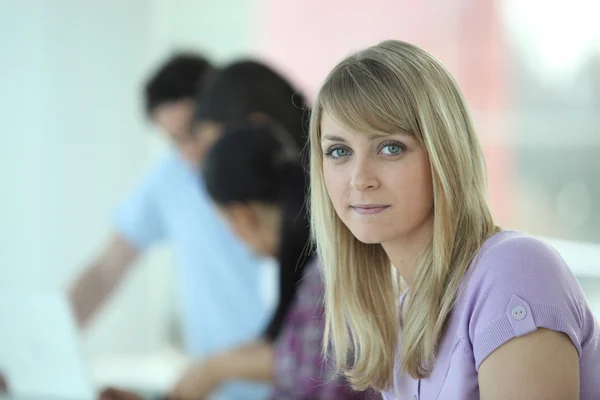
(181, 118)
(170, 123)
(412, 188)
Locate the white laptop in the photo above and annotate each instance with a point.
(41, 355)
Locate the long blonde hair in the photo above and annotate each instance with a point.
(389, 87)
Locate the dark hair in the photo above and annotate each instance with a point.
(254, 163)
(246, 87)
(180, 77)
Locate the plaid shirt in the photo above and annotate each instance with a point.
(300, 369)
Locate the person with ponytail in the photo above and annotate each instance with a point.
(398, 198)
(255, 177)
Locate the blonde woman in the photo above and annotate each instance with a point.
(398, 178)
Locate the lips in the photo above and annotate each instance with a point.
(369, 209)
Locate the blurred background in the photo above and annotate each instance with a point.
(74, 138)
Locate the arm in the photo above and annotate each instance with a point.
(101, 278)
(541, 365)
(526, 322)
(138, 225)
(252, 362)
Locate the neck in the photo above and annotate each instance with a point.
(404, 251)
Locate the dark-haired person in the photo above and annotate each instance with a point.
(217, 278)
(250, 90)
(256, 179)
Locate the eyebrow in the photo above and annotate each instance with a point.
(335, 138)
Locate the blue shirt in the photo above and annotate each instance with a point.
(218, 279)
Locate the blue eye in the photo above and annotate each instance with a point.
(391, 149)
(337, 152)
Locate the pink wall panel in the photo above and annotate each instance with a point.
(305, 39)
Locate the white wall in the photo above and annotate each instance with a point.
(20, 140)
(72, 131)
(74, 141)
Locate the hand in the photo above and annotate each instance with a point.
(199, 381)
(116, 394)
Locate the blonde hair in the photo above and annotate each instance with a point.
(390, 87)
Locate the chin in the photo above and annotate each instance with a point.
(369, 236)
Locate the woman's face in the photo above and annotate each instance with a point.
(380, 186)
(257, 225)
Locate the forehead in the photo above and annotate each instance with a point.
(332, 129)
(330, 125)
(172, 108)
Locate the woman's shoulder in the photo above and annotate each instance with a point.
(513, 241)
(510, 264)
(516, 284)
(514, 259)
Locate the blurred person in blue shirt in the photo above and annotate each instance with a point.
(217, 277)
(249, 91)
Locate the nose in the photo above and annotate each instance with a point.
(364, 176)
